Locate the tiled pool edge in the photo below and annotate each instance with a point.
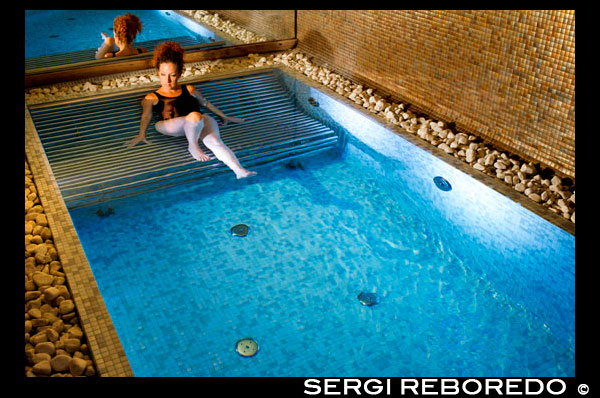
(104, 344)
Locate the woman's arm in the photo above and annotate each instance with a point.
(147, 103)
(106, 47)
(205, 103)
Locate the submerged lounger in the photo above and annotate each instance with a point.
(84, 139)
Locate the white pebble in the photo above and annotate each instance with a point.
(462, 139)
(555, 180)
(443, 146)
(500, 165)
(527, 168)
(470, 155)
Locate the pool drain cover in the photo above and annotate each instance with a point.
(246, 347)
(240, 230)
(108, 212)
(369, 299)
(442, 183)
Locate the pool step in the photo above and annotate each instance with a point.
(47, 61)
(84, 139)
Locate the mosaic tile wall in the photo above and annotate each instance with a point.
(506, 76)
(273, 24)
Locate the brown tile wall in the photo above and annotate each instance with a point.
(272, 24)
(506, 76)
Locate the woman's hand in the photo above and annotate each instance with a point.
(227, 119)
(136, 140)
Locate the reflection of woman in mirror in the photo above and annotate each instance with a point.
(178, 109)
(126, 27)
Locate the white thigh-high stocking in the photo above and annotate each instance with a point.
(206, 129)
(181, 126)
(212, 139)
(192, 133)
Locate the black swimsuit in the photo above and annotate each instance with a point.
(182, 105)
(114, 53)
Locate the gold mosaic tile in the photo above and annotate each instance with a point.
(507, 76)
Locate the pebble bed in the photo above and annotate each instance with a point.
(224, 25)
(54, 342)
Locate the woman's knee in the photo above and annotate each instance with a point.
(194, 117)
(169, 127)
(159, 127)
(212, 140)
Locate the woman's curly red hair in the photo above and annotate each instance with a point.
(126, 27)
(169, 51)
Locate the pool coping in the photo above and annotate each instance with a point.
(105, 347)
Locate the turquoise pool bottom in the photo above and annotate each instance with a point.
(181, 291)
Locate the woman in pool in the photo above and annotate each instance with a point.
(178, 108)
(126, 27)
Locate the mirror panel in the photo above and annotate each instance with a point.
(63, 40)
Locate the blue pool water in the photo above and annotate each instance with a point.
(61, 31)
(471, 284)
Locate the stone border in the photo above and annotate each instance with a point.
(538, 184)
(454, 160)
(104, 344)
(54, 341)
